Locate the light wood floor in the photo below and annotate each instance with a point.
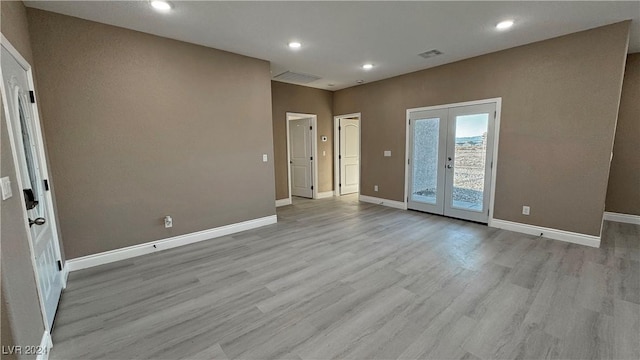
(336, 278)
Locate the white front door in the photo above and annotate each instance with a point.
(450, 161)
(27, 143)
(300, 161)
(349, 156)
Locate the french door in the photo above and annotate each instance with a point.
(450, 160)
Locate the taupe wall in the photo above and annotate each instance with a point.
(623, 192)
(20, 307)
(301, 99)
(140, 127)
(559, 109)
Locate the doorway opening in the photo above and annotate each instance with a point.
(452, 159)
(347, 154)
(302, 149)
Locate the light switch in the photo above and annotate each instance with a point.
(265, 158)
(387, 153)
(5, 183)
(324, 153)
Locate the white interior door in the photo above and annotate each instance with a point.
(349, 156)
(450, 161)
(300, 158)
(33, 181)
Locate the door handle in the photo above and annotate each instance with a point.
(449, 166)
(37, 221)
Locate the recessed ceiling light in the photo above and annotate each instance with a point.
(295, 45)
(359, 81)
(161, 5)
(331, 85)
(503, 25)
(367, 66)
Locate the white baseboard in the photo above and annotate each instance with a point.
(567, 236)
(283, 202)
(326, 194)
(159, 245)
(384, 202)
(45, 346)
(623, 218)
(65, 274)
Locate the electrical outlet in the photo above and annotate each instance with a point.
(525, 210)
(375, 187)
(5, 183)
(168, 221)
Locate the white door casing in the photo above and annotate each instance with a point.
(32, 177)
(300, 161)
(349, 156)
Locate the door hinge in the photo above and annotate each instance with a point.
(46, 184)
(407, 199)
(310, 127)
(312, 158)
(340, 185)
(409, 121)
(311, 187)
(32, 96)
(491, 167)
(339, 157)
(495, 114)
(59, 265)
(339, 128)
(408, 161)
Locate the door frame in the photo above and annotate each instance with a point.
(498, 102)
(336, 151)
(314, 150)
(44, 168)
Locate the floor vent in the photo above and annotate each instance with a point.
(299, 78)
(431, 53)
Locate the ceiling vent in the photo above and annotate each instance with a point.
(299, 78)
(431, 53)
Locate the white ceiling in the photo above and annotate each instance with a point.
(339, 36)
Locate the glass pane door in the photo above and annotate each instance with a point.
(426, 190)
(450, 153)
(469, 162)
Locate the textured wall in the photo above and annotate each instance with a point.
(559, 110)
(623, 193)
(20, 307)
(140, 127)
(306, 100)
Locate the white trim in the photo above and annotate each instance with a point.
(45, 346)
(336, 151)
(159, 245)
(496, 124)
(283, 202)
(623, 218)
(43, 168)
(314, 150)
(65, 275)
(326, 194)
(384, 202)
(567, 236)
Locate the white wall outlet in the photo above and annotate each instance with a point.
(168, 221)
(525, 210)
(375, 187)
(265, 158)
(387, 153)
(5, 183)
(324, 153)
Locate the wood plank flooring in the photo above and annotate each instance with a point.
(339, 279)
